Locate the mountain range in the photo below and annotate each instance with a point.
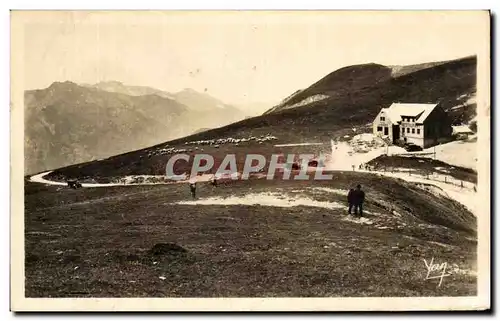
(68, 123)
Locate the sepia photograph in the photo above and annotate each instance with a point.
(250, 160)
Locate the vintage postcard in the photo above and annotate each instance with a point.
(250, 160)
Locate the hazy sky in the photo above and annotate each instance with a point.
(238, 57)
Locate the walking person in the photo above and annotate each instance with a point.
(213, 181)
(358, 199)
(350, 200)
(192, 187)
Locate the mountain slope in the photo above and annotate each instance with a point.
(118, 87)
(372, 86)
(194, 100)
(67, 123)
(215, 112)
(344, 81)
(211, 106)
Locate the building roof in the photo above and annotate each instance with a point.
(396, 110)
(462, 129)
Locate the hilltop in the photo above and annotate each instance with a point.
(369, 87)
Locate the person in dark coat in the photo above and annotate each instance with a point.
(74, 183)
(213, 181)
(192, 187)
(358, 199)
(350, 200)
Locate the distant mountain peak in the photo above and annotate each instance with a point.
(189, 90)
(62, 84)
(110, 82)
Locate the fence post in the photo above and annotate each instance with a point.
(461, 184)
(445, 178)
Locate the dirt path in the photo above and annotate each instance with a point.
(465, 196)
(39, 178)
(342, 158)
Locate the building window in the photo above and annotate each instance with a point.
(413, 130)
(382, 118)
(418, 131)
(408, 130)
(379, 128)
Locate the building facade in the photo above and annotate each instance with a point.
(424, 125)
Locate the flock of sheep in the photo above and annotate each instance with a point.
(230, 140)
(211, 142)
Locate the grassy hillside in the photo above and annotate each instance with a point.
(345, 81)
(424, 166)
(373, 86)
(398, 71)
(106, 242)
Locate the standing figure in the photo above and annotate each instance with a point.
(213, 181)
(350, 200)
(358, 199)
(74, 183)
(192, 187)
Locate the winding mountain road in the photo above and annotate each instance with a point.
(465, 196)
